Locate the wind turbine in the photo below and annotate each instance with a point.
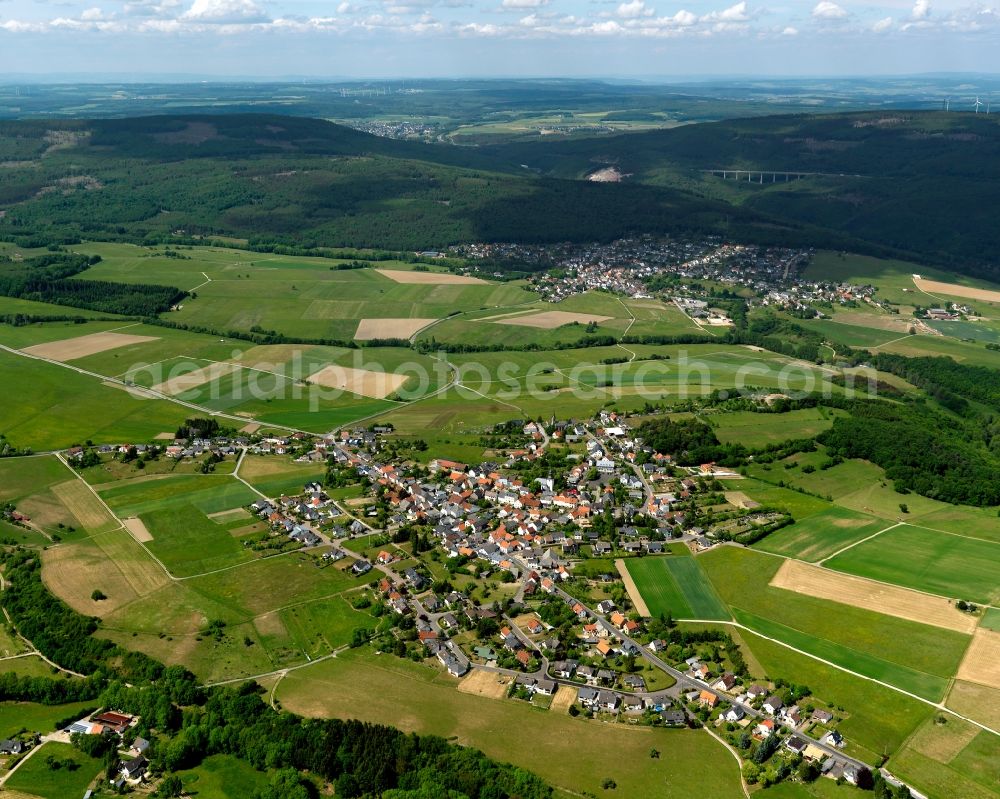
(947, 104)
(979, 104)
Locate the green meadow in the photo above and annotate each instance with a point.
(916, 657)
(570, 754)
(189, 543)
(37, 779)
(760, 429)
(17, 716)
(222, 777)
(948, 564)
(878, 719)
(822, 534)
(63, 407)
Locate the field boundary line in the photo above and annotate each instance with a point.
(631, 315)
(736, 755)
(632, 589)
(283, 672)
(207, 281)
(887, 343)
(937, 705)
(856, 543)
(886, 583)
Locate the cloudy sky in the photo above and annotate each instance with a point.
(391, 38)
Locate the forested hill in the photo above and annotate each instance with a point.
(308, 182)
(917, 185)
(926, 184)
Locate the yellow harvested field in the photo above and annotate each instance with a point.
(270, 624)
(549, 320)
(138, 529)
(164, 437)
(73, 571)
(633, 590)
(981, 663)
(251, 428)
(269, 357)
(363, 382)
(943, 742)
(955, 290)
(89, 511)
(804, 578)
(564, 697)
(485, 683)
(195, 378)
(430, 278)
(369, 329)
(80, 347)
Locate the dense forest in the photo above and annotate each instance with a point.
(187, 723)
(286, 181)
(47, 278)
(688, 441)
(919, 449)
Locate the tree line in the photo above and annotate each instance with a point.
(46, 279)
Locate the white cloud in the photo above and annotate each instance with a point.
(882, 25)
(737, 13)
(827, 10)
(790, 31)
(921, 9)
(92, 14)
(634, 9)
(225, 11)
(520, 4)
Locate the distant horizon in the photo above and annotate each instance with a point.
(180, 78)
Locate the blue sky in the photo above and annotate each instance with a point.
(426, 38)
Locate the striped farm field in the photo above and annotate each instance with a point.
(676, 585)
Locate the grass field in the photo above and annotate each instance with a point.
(676, 585)
(278, 611)
(64, 407)
(306, 297)
(948, 757)
(879, 719)
(760, 429)
(37, 779)
(208, 493)
(17, 716)
(222, 777)
(571, 754)
(190, 543)
(821, 535)
(916, 657)
(946, 564)
(276, 475)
